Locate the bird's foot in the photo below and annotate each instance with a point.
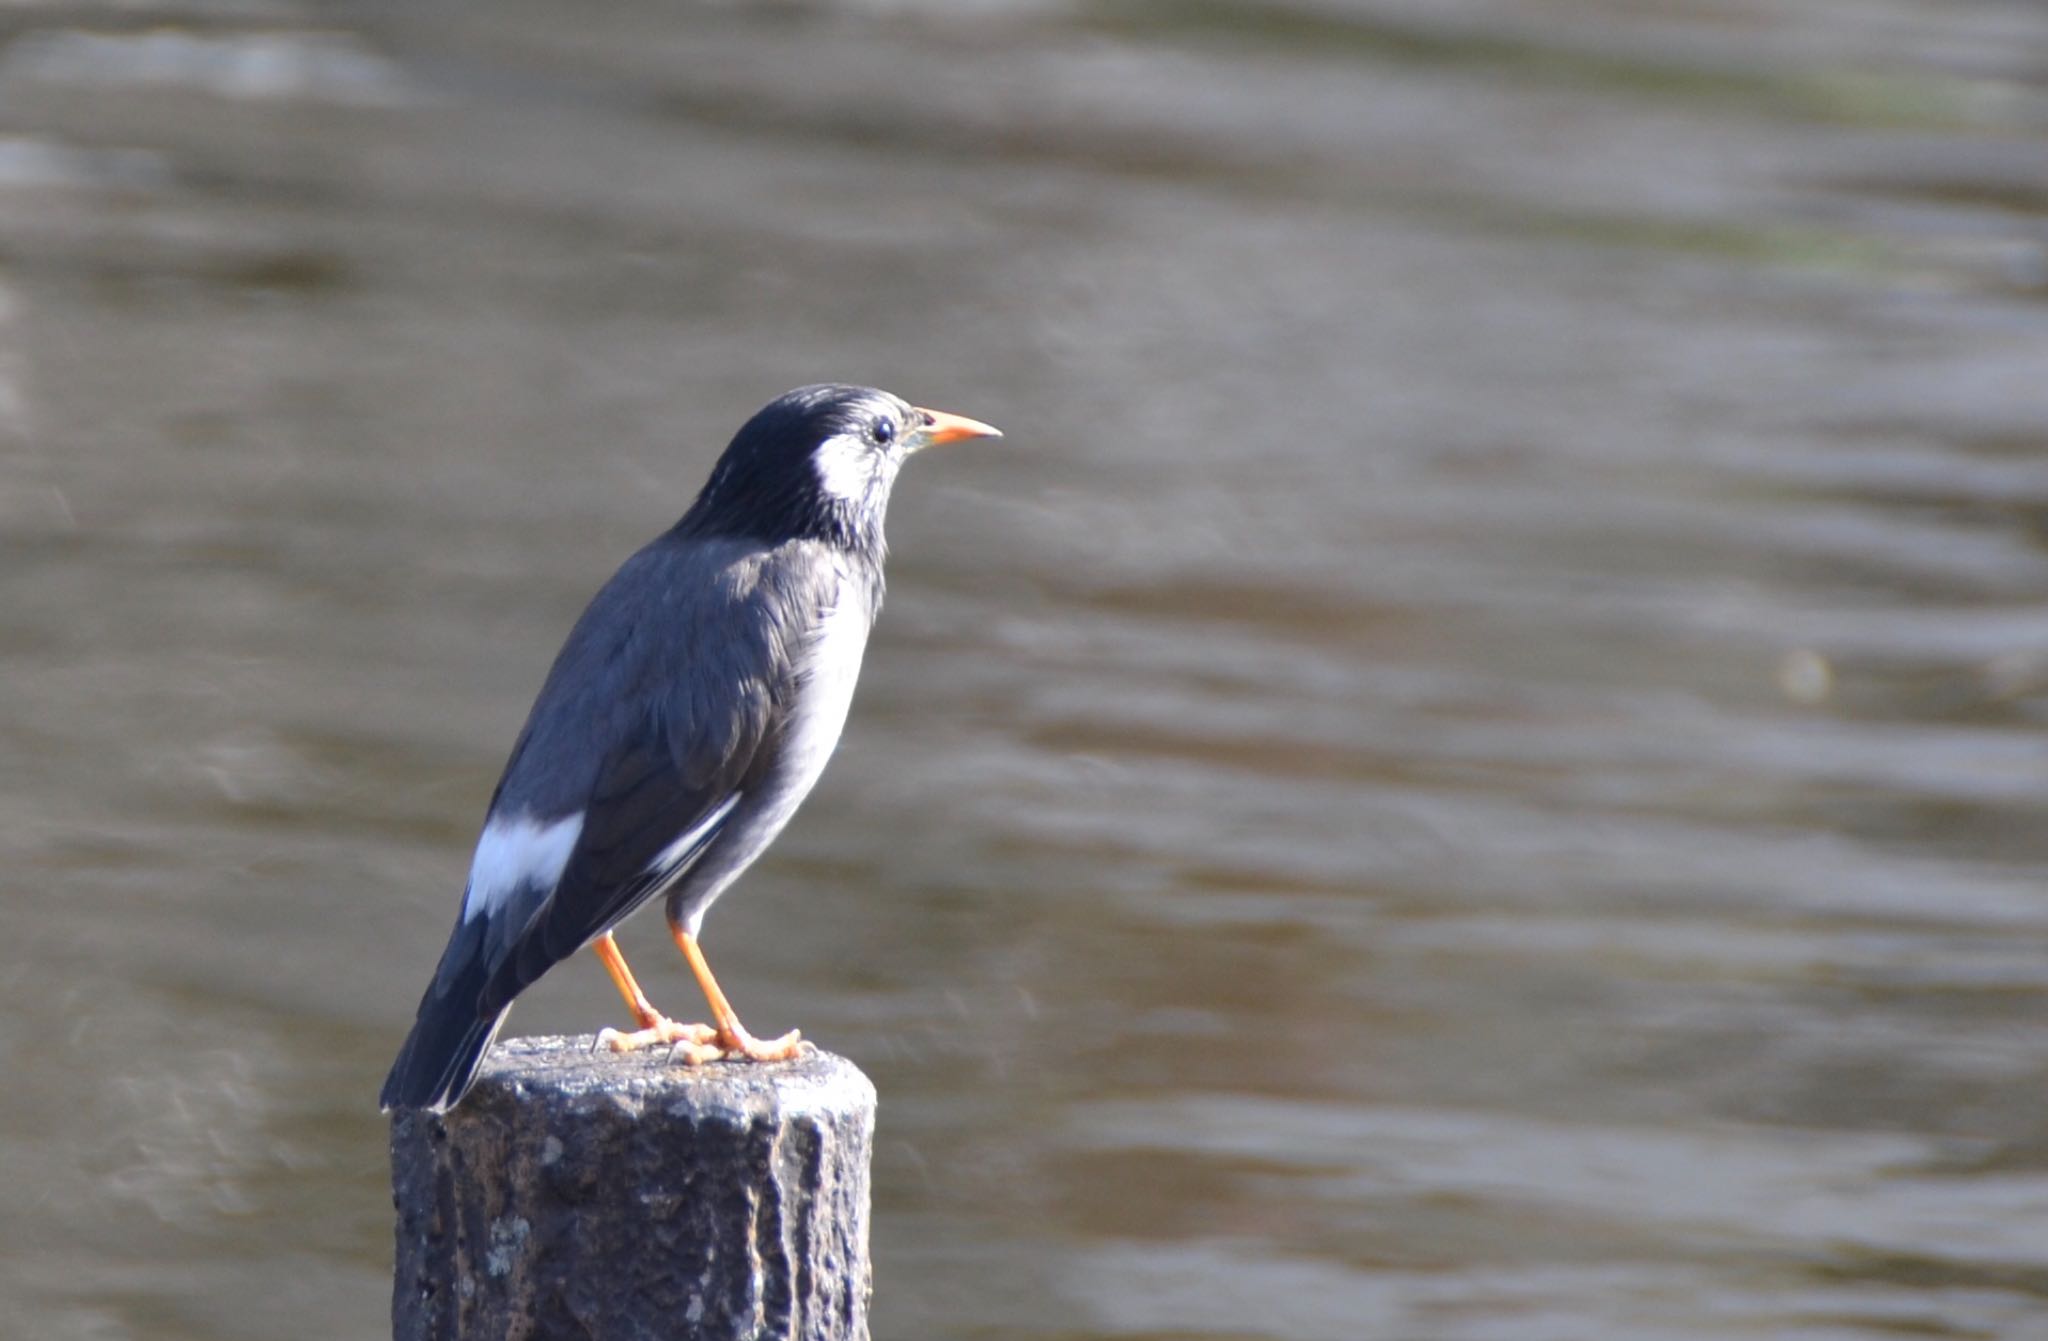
(660, 1030)
(736, 1044)
(696, 1044)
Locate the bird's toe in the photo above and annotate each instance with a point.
(739, 1044)
(662, 1031)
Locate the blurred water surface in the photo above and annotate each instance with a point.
(1471, 768)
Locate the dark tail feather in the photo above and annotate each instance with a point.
(454, 1030)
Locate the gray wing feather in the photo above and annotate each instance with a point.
(677, 675)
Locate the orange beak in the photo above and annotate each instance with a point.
(941, 428)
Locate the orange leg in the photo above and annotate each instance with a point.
(732, 1035)
(654, 1026)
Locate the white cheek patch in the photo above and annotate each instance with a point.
(514, 853)
(847, 467)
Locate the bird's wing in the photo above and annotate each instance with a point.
(646, 823)
(647, 738)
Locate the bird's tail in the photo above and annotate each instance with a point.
(453, 1031)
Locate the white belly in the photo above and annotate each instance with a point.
(827, 674)
(827, 678)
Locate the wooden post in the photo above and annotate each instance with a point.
(581, 1193)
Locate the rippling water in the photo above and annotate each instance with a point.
(1471, 768)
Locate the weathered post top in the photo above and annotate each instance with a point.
(590, 1194)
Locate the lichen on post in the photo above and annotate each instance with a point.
(583, 1193)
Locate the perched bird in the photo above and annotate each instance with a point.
(692, 708)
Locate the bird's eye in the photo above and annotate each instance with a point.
(883, 430)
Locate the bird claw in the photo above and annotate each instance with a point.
(737, 1046)
(662, 1030)
(696, 1044)
(740, 1044)
(691, 1053)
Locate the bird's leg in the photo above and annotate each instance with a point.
(654, 1026)
(732, 1036)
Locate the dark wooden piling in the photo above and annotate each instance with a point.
(579, 1193)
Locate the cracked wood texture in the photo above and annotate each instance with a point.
(581, 1194)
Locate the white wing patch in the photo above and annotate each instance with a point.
(684, 848)
(516, 852)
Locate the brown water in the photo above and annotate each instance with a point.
(1471, 768)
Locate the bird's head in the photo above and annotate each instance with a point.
(818, 462)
